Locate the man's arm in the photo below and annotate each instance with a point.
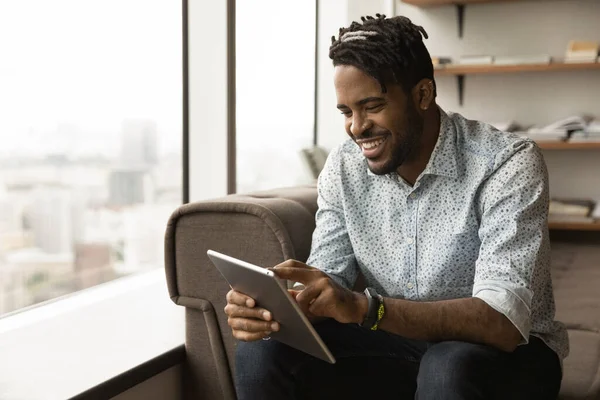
(331, 248)
(513, 253)
(470, 320)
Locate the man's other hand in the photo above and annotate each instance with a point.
(247, 322)
(322, 296)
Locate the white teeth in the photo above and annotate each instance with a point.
(372, 144)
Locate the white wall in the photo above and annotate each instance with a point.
(530, 98)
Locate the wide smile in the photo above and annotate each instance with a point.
(373, 148)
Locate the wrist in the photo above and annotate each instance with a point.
(362, 308)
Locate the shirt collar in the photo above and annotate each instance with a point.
(443, 158)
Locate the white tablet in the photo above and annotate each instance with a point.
(270, 293)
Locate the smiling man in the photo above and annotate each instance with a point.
(446, 220)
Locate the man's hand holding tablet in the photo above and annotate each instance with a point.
(320, 297)
(248, 322)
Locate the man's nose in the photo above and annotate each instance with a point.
(359, 125)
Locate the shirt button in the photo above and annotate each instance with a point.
(410, 240)
(409, 285)
(413, 196)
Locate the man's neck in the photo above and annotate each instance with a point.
(410, 170)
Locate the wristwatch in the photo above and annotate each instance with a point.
(375, 309)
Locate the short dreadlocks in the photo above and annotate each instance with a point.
(386, 49)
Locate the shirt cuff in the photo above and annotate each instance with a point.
(514, 302)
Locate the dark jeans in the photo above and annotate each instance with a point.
(380, 365)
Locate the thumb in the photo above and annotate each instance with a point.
(294, 293)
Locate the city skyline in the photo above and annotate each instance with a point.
(66, 226)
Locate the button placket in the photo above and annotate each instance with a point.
(410, 240)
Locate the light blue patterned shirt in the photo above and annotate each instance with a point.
(473, 224)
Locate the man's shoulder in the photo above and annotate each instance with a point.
(478, 139)
(345, 158)
(347, 148)
(345, 167)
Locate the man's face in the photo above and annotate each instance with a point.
(386, 126)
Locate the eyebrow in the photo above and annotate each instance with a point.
(363, 101)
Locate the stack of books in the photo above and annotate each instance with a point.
(572, 210)
(559, 130)
(441, 62)
(476, 60)
(523, 60)
(582, 52)
(505, 60)
(591, 133)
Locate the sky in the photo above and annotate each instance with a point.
(88, 64)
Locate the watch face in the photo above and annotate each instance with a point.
(371, 292)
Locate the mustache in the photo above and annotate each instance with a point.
(371, 134)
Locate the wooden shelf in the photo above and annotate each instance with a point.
(569, 146)
(503, 69)
(460, 7)
(459, 71)
(574, 226)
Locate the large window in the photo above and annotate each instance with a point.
(275, 82)
(90, 142)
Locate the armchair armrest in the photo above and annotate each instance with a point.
(264, 228)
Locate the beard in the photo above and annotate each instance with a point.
(405, 145)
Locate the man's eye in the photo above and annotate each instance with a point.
(346, 113)
(374, 108)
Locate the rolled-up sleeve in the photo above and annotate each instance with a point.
(331, 249)
(514, 234)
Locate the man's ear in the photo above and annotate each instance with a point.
(423, 94)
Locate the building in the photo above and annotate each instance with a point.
(93, 264)
(52, 219)
(139, 144)
(129, 186)
(30, 276)
(143, 242)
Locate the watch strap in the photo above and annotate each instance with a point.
(380, 312)
(373, 305)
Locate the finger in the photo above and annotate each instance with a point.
(292, 264)
(235, 297)
(233, 310)
(308, 296)
(302, 275)
(249, 336)
(294, 293)
(252, 325)
(321, 306)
